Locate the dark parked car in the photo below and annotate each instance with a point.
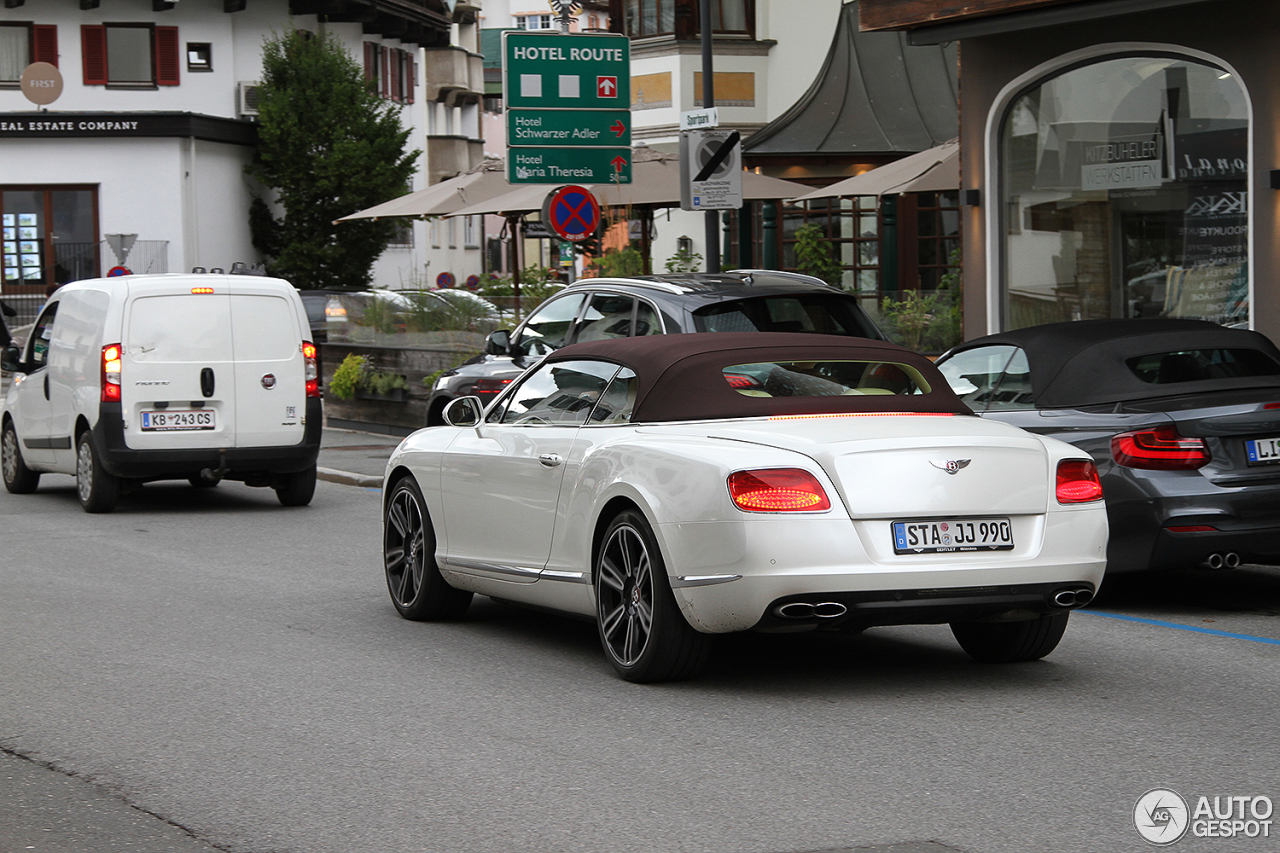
(1182, 418)
(600, 308)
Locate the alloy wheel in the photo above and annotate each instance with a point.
(404, 547)
(626, 595)
(9, 452)
(84, 471)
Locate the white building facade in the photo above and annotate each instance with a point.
(153, 127)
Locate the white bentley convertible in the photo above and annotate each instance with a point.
(681, 486)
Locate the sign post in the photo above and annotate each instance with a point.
(568, 100)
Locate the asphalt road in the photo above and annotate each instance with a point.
(208, 670)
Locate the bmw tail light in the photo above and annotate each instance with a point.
(1078, 482)
(312, 369)
(778, 490)
(489, 387)
(1161, 448)
(111, 373)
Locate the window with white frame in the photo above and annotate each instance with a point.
(471, 232)
(534, 22)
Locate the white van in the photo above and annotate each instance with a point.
(151, 377)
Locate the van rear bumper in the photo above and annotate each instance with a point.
(122, 461)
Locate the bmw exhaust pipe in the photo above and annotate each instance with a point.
(1214, 561)
(808, 610)
(1231, 560)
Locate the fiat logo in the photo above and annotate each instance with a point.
(269, 381)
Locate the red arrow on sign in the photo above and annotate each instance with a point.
(618, 128)
(618, 163)
(606, 87)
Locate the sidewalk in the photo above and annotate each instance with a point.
(353, 457)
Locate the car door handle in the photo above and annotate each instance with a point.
(206, 382)
(46, 386)
(550, 460)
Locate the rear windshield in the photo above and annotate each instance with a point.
(1198, 365)
(825, 314)
(825, 379)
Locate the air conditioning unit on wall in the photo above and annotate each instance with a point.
(247, 98)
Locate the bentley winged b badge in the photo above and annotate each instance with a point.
(951, 466)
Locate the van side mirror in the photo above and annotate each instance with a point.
(498, 342)
(11, 359)
(463, 412)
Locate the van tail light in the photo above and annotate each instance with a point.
(1078, 482)
(778, 490)
(111, 354)
(1161, 448)
(312, 369)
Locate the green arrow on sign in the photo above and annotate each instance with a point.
(569, 127)
(569, 165)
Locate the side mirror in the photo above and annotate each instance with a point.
(498, 342)
(10, 358)
(463, 412)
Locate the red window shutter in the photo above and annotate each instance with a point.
(368, 60)
(386, 71)
(168, 56)
(46, 40)
(93, 50)
(412, 82)
(396, 73)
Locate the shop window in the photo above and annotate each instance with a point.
(23, 44)
(49, 236)
(130, 55)
(1124, 193)
(199, 56)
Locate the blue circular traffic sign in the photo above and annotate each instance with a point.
(571, 213)
(445, 279)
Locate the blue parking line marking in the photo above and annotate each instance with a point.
(1191, 628)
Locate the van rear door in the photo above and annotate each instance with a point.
(267, 323)
(177, 373)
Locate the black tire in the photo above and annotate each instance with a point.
(198, 482)
(18, 478)
(417, 588)
(298, 488)
(96, 488)
(643, 633)
(1011, 642)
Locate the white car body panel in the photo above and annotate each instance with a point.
(726, 565)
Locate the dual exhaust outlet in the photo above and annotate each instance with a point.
(1227, 560)
(1073, 597)
(809, 610)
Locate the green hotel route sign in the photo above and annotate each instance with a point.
(568, 99)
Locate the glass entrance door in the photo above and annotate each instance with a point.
(50, 236)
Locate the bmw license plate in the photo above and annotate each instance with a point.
(952, 534)
(1263, 451)
(172, 419)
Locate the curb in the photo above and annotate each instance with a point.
(346, 478)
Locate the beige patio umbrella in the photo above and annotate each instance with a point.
(485, 181)
(934, 170)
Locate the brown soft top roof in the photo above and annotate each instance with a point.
(681, 376)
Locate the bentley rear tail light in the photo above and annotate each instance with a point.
(111, 373)
(1160, 448)
(312, 370)
(1078, 482)
(778, 490)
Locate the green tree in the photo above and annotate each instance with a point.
(813, 255)
(328, 146)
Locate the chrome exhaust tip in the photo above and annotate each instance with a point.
(1231, 559)
(1066, 598)
(1213, 561)
(795, 610)
(1083, 597)
(829, 610)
